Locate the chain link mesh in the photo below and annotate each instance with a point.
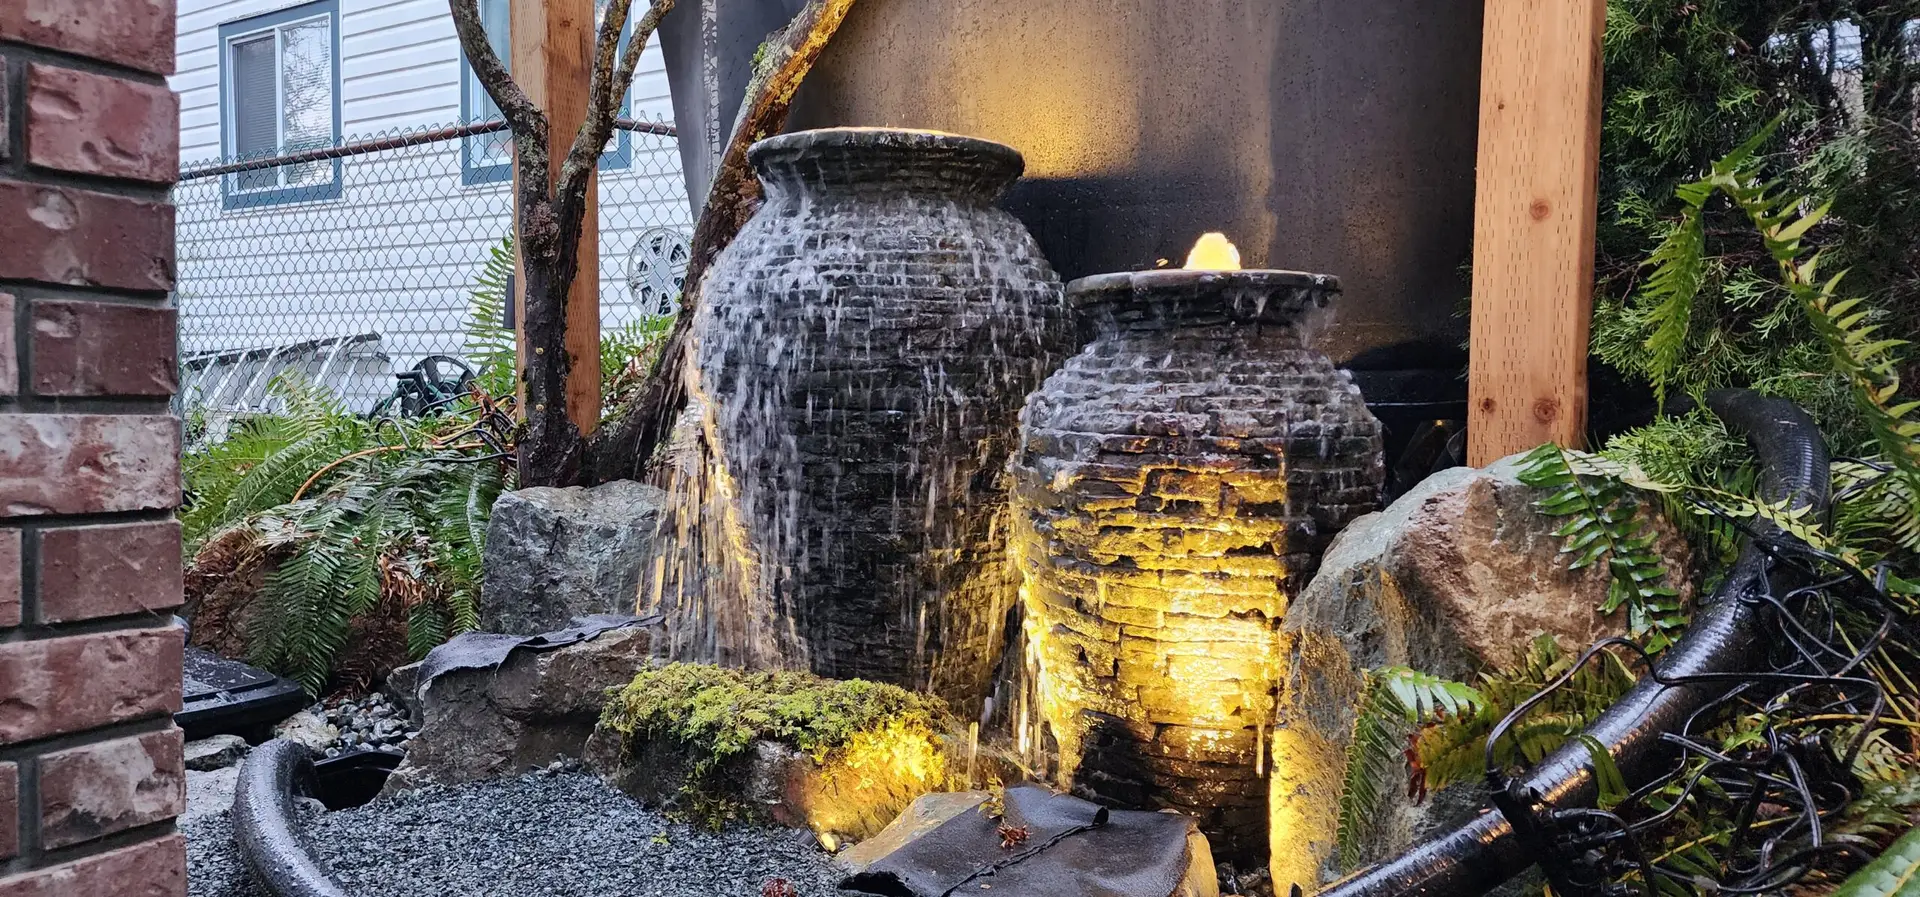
(347, 264)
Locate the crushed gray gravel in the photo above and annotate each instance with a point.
(544, 834)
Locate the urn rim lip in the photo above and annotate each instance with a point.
(866, 137)
(1097, 288)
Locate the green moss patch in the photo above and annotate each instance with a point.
(870, 742)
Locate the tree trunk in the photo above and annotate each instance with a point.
(625, 448)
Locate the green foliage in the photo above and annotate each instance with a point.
(714, 715)
(490, 345)
(1896, 873)
(1435, 730)
(627, 352)
(1604, 522)
(360, 531)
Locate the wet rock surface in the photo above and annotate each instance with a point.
(554, 833)
(1458, 574)
(555, 554)
(373, 722)
(532, 709)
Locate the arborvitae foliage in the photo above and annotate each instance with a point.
(1688, 81)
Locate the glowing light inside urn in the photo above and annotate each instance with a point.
(1175, 483)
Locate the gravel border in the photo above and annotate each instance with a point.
(545, 834)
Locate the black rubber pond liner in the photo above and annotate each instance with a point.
(354, 778)
(1723, 644)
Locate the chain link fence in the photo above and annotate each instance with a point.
(347, 264)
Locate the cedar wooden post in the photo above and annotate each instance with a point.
(1534, 216)
(552, 59)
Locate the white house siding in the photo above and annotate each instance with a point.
(397, 252)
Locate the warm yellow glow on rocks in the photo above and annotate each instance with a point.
(1213, 252)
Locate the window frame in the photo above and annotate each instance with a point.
(251, 27)
(620, 156)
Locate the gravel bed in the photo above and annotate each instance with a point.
(544, 834)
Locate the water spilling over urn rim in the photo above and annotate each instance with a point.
(1169, 297)
(895, 158)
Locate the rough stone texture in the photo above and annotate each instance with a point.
(554, 554)
(103, 571)
(103, 349)
(9, 355)
(537, 706)
(1459, 573)
(403, 688)
(6, 147)
(309, 729)
(216, 752)
(134, 33)
(10, 583)
(9, 811)
(210, 793)
(1174, 486)
(868, 339)
(92, 791)
(925, 814)
(87, 463)
(781, 785)
(81, 238)
(78, 682)
(101, 125)
(156, 868)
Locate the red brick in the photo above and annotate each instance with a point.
(134, 33)
(3, 113)
(104, 571)
(98, 124)
(82, 238)
(88, 463)
(9, 578)
(9, 357)
(9, 811)
(79, 682)
(102, 349)
(156, 868)
(93, 791)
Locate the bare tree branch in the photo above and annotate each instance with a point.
(610, 83)
(624, 450)
(523, 116)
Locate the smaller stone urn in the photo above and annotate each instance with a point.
(1174, 484)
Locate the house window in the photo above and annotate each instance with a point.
(280, 95)
(488, 158)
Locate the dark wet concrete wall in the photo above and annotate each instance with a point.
(1325, 135)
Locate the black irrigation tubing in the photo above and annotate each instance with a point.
(1722, 654)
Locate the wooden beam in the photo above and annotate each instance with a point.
(1533, 230)
(552, 59)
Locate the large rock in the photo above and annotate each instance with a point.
(536, 707)
(1457, 575)
(555, 554)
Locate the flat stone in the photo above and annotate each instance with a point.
(217, 752)
(925, 814)
(308, 729)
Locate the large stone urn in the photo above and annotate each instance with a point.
(1174, 484)
(863, 349)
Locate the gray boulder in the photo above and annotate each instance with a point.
(215, 752)
(555, 554)
(1457, 575)
(536, 707)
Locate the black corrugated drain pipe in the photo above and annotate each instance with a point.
(1722, 642)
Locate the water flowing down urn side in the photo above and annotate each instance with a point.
(1175, 483)
(862, 350)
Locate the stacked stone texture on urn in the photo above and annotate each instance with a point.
(1175, 484)
(863, 350)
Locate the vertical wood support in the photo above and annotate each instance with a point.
(552, 59)
(1534, 218)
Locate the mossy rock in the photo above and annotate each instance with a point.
(716, 745)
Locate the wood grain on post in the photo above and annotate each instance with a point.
(552, 59)
(1534, 217)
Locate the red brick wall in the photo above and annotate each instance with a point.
(90, 773)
